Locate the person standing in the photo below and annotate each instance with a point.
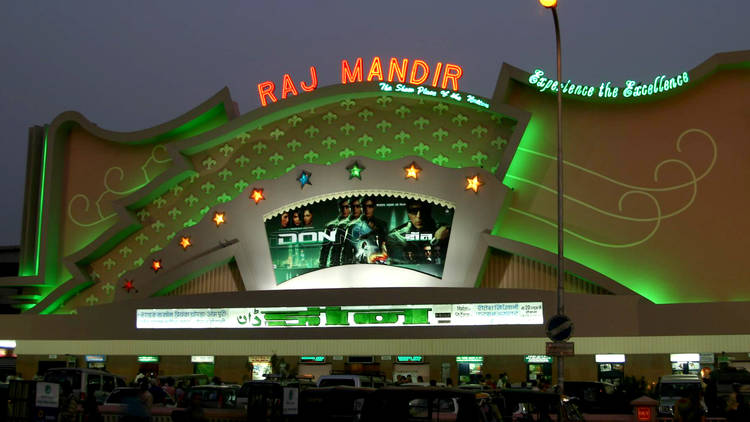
(68, 403)
(91, 407)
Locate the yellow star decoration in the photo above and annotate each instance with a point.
(473, 183)
(257, 195)
(412, 172)
(156, 265)
(219, 218)
(185, 242)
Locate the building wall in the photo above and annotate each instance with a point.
(235, 369)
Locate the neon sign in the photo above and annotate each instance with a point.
(418, 72)
(632, 89)
(412, 359)
(425, 91)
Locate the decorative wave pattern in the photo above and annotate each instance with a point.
(644, 191)
(81, 204)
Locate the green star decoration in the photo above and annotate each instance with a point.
(355, 170)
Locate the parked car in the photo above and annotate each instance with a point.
(214, 396)
(673, 387)
(528, 405)
(266, 388)
(121, 395)
(351, 380)
(324, 404)
(597, 397)
(396, 404)
(82, 379)
(187, 380)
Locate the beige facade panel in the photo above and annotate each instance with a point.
(353, 347)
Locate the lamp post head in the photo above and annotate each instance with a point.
(549, 4)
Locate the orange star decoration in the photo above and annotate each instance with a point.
(156, 265)
(257, 195)
(473, 183)
(412, 172)
(219, 218)
(185, 242)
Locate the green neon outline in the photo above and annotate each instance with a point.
(41, 205)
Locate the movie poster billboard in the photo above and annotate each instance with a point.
(360, 230)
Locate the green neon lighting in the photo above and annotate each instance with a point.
(410, 358)
(148, 359)
(469, 359)
(607, 90)
(529, 167)
(41, 207)
(211, 119)
(312, 359)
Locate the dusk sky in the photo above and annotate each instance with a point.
(131, 65)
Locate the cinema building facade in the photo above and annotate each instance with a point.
(393, 223)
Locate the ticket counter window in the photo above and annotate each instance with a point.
(470, 369)
(261, 368)
(538, 368)
(149, 369)
(686, 368)
(203, 365)
(610, 368)
(685, 363)
(612, 373)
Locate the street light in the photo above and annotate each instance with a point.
(552, 5)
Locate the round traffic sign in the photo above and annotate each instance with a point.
(559, 328)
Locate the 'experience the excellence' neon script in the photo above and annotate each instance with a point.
(632, 89)
(418, 72)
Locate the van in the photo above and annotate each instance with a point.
(351, 381)
(673, 387)
(81, 379)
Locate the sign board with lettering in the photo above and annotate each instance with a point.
(537, 359)
(561, 348)
(523, 313)
(410, 359)
(47, 394)
(290, 403)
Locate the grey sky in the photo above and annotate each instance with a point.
(130, 65)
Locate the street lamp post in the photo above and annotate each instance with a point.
(552, 5)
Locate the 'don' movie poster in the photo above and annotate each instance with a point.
(366, 229)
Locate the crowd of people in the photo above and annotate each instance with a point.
(151, 393)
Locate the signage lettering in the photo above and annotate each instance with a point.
(306, 237)
(631, 89)
(418, 73)
(444, 93)
(345, 316)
